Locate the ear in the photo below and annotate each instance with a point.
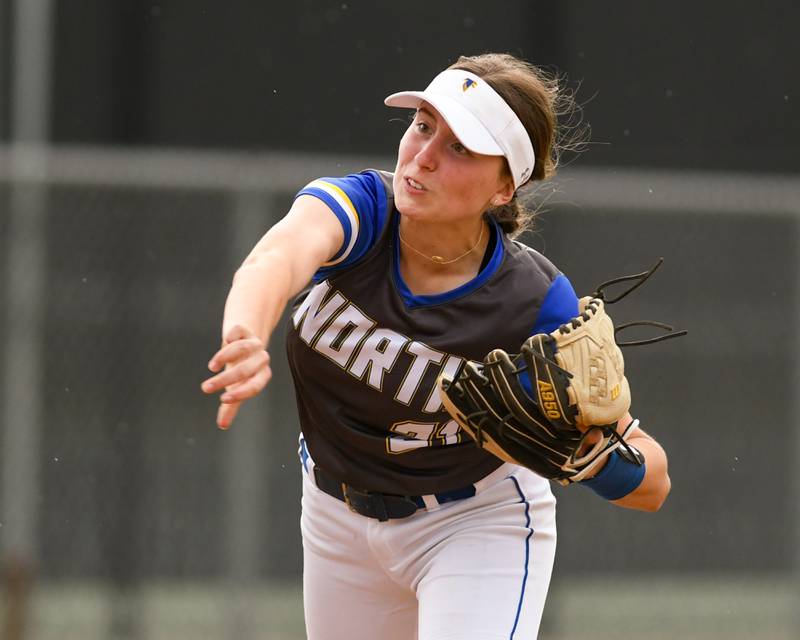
(504, 194)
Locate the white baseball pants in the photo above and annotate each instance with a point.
(474, 569)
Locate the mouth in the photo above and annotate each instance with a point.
(414, 184)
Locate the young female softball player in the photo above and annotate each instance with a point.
(409, 529)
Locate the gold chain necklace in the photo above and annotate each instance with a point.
(440, 259)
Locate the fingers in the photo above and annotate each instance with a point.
(226, 414)
(248, 388)
(232, 399)
(237, 373)
(246, 372)
(234, 351)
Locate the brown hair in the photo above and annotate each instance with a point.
(539, 102)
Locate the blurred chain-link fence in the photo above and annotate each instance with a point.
(124, 513)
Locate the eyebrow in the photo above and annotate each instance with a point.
(431, 115)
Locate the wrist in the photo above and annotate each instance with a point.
(622, 473)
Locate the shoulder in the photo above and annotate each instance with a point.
(362, 202)
(356, 192)
(541, 270)
(551, 290)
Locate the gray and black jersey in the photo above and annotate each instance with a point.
(365, 352)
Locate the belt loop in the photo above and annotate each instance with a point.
(366, 503)
(430, 502)
(347, 501)
(380, 508)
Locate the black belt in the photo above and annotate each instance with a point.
(383, 506)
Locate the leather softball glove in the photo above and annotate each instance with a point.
(555, 406)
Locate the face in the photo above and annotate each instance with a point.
(439, 179)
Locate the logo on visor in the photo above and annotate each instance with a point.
(469, 83)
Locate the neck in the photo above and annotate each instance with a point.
(440, 245)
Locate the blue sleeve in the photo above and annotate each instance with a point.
(359, 202)
(559, 305)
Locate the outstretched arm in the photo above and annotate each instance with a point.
(277, 269)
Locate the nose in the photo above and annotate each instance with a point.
(428, 155)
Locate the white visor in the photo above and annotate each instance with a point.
(478, 116)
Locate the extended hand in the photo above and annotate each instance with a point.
(247, 372)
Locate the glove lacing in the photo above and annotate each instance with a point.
(578, 467)
(482, 415)
(640, 278)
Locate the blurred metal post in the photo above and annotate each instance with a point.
(3, 96)
(796, 421)
(21, 395)
(247, 452)
(26, 261)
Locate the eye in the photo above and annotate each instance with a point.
(422, 127)
(460, 148)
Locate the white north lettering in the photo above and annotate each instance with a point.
(339, 330)
(423, 356)
(434, 403)
(378, 353)
(311, 316)
(341, 337)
